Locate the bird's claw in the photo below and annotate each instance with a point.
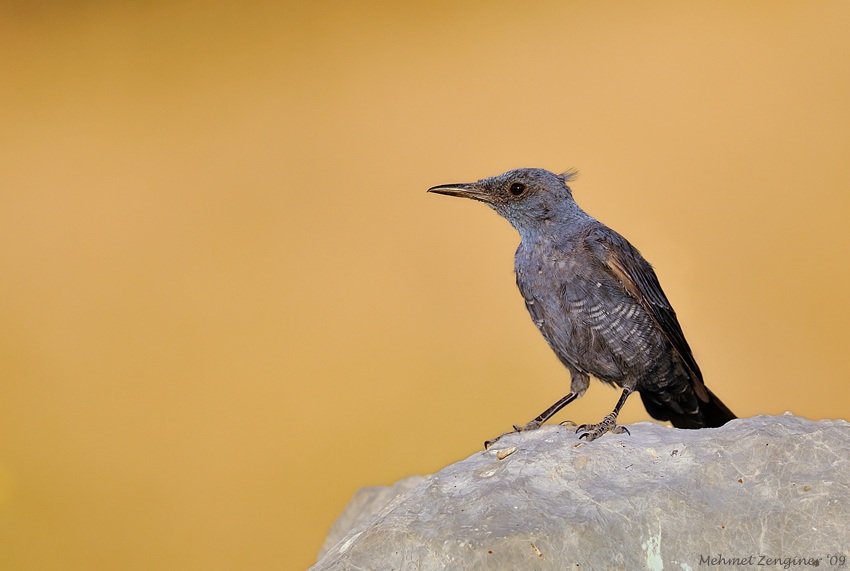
(591, 432)
(533, 425)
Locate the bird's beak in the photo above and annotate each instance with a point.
(465, 190)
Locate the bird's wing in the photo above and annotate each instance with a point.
(624, 262)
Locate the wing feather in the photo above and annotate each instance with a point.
(638, 278)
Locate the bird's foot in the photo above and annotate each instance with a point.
(533, 425)
(594, 431)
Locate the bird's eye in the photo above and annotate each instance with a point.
(517, 188)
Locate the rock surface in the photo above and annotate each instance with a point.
(770, 492)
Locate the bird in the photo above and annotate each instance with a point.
(597, 302)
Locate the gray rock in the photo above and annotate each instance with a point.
(769, 492)
(365, 503)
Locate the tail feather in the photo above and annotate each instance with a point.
(714, 412)
(711, 414)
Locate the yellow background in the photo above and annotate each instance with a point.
(227, 302)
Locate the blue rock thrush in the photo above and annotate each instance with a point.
(597, 302)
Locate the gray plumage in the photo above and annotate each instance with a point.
(597, 303)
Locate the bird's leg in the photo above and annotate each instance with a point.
(548, 413)
(539, 419)
(608, 424)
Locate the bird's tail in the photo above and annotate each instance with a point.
(709, 414)
(714, 412)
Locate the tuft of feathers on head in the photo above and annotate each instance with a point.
(568, 175)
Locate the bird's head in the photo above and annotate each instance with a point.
(527, 198)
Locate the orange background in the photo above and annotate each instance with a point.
(227, 303)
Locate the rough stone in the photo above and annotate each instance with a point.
(365, 503)
(763, 492)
